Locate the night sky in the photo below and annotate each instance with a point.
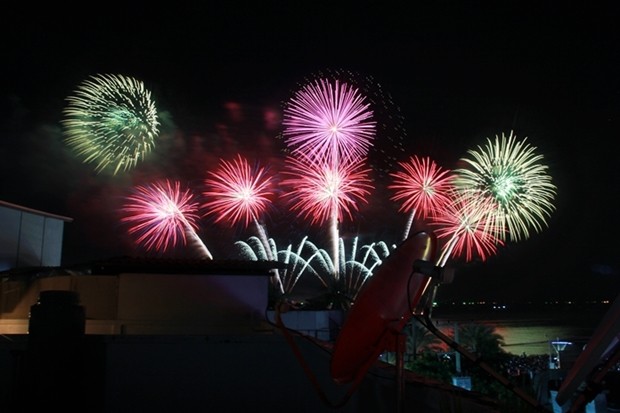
(446, 78)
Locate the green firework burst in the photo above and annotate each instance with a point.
(509, 174)
(111, 121)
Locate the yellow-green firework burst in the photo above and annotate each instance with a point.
(509, 174)
(111, 121)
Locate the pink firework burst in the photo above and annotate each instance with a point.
(466, 229)
(160, 214)
(328, 120)
(237, 191)
(323, 191)
(422, 187)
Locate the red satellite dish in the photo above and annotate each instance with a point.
(382, 309)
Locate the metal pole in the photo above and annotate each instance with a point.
(400, 366)
(477, 360)
(457, 354)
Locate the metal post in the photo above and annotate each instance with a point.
(401, 345)
(457, 354)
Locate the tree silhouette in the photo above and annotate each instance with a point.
(421, 339)
(481, 340)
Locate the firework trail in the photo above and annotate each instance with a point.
(297, 266)
(355, 269)
(326, 193)
(111, 121)
(254, 250)
(328, 120)
(239, 193)
(422, 186)
(161, 214)
(353, 272)
(508, 174)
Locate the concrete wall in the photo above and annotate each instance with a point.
(147, 303)
(184, 343)
(210, 373)
(322, 325)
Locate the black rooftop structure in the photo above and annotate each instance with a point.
(175, 266)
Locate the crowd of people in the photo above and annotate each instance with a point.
(527, 365)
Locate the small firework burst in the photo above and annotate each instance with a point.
(111, 121)
(162, 215)
(238, 192)
(422, 188)
(326, 192)
(463, 224)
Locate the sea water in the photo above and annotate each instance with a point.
(531, 331)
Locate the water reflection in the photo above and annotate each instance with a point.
(530, 333)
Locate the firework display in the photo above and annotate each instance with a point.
(422, 188)
(328, 130)
(389, 122)
(237, 192)
(162, 215)
(502, 193)
(240, 194)
(111, 121)
(463, 224)
(356, 267)
(329, 120)
(509, 174)
(322, 191)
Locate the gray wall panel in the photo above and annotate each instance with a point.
(30, 240)
(9, 237)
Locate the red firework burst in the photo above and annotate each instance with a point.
(322, 191)
(160, 214)
(237, 192)
(422, 186)
(465, 226)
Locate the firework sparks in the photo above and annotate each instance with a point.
(353, 270)
(239, 193)
(111, 121)
(357, 271)
(356, 268)
(161, 215)
(322, 191)
(254, 250)
(464, 226)
(422, 186)
(326, 193)
(508, 173)
(389, 121)
(328, 120)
